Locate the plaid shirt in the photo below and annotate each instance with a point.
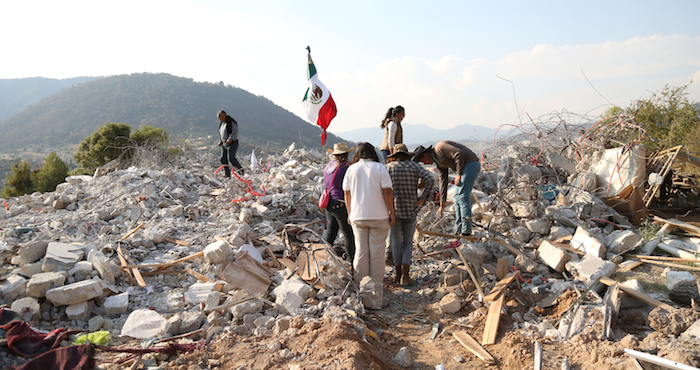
(404, 177)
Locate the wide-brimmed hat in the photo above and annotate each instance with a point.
(419, 152)
(400, 149)
(340, 148)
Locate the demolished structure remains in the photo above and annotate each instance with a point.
(180, 268)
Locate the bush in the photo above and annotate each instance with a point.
(52, 173)
(19, 182)
(102, 146)
(150, 136)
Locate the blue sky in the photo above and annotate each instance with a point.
(441, 60)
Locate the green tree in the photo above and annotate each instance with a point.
(151, 136)
(102, 146)
(52, 173)
(19, 182)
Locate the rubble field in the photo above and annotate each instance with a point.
(183, 269)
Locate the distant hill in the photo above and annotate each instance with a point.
(187, 109)
(17, 94)
(413, 135)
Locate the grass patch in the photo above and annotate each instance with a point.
(648, 229)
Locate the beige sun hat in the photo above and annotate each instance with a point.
(340, 148)
(400, 149)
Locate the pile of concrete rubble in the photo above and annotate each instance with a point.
(182, 253)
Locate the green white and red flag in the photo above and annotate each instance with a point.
(319, 104)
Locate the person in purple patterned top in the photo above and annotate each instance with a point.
(336, 212)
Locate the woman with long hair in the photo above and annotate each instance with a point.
(393, 132)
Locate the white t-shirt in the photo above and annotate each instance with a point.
(365, 181)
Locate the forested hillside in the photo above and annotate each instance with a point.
(187, 109)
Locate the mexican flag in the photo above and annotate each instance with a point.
(319, 104)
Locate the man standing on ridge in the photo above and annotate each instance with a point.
(228, 141)
(446, 155)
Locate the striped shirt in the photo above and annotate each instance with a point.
(404, 179)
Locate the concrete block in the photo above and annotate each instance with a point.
(539, 226)
(96, 323)
(217, 252)
(61, 257)
(79, 311)
(473, 253)
(291, 294)
(266, 322)
(553, 256)
(372, 293)
(28, 308)
(674, 278)
(40, 283)
(259, 208)
(12, 287)
(81, 268)
(556, 232)
(450, 304)
(524, 209)
(583, 240)
(116, 304)
(252, 306)
(590, 267)
(621, 241)
(31, 252)
(191, 321)
(28, 270)
(75, 293)
(198, 292)
(103, 265)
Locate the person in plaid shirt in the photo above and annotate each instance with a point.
(404, 178)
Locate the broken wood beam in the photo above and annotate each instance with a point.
(175, 241)
(501, 286)
(473, 346)
(492, 320)
(130, 233)
(641, 296)
(472, 275)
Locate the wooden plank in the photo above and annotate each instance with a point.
(628, 265)
(641, 296)
(274, 258)
(501, 286)
(473, 346)
(288, 263)
(202, 278)
(253, 266)
(511, 249)
(663, 258)
(175, 241)
(690, 229)
(137, 274)
(476, 282)
(492, 320)
(165, 265)
(130, 233)
(568, 248)
(673, 265)
(502, 268)
(242, 279)
(122, 261)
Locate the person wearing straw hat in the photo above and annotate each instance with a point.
(405, 176)
(452, 155)
(336, 211)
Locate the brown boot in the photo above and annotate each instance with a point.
(406, 275)
(399, 274)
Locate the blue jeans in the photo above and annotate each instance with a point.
(462, 198)
(337, 219)
(402, 240)
(385, 155)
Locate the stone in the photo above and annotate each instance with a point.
(403, 358)
(372, 293)
(11, 287)
(266, 322)
(583, 240)
(191, 321)
(673, 322)
(217, 252)
(473, 253)
(291, 294)
(450, 304)
(297, 322)
(143, 323)
(685, 293)
(95, 323)
(539, 226)
(81, 268)
(521, 234)
(32, 252)
(75, 293)
(28, 308)
(79, 311)
(116, 305)
(590, 268)
(524, 263)
(40, 283)
(104, 267)
(524, 209)
(557, 232)
(674, 278)
(252, 306)
(621, 241)
(198, 292)
(61, 257)
(553, 256)
(249, 320)
(282, 323)
(29, 269)
(628, 301)
(172, 326)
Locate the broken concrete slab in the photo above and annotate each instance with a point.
(372, 293)
(31, 252)
(291, 294)
(674, 278)
(11, 287)
(554, 257)
(28, 308)
(590, 267)
(61, 257)
(621, 241)
(79, 311)
(116, 305)
(75, 293)
(40, 283)
(585, 241)
(218, 252)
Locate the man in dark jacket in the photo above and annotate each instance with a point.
(228, 141)
(446, 155)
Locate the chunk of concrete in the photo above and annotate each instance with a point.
(584, 241)
(61, 257)
(191, 321)
(40, 283)
(450, 304)
(628, 301)
(81, 268)
(79, 311)
(539, 226)
(291, 294)
(28, 308)
(11, 287)
(553, 256)
(104, 267)
(473, 253)
(75, 293)
(116, 305)
(252, 306)
(674, 278)
(198, 292)
(31, 252)
(217, 252)
(372, 293)
(590, 268)
(621, 241)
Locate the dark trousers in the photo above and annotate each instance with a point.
(228, 155)
(337, 218)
